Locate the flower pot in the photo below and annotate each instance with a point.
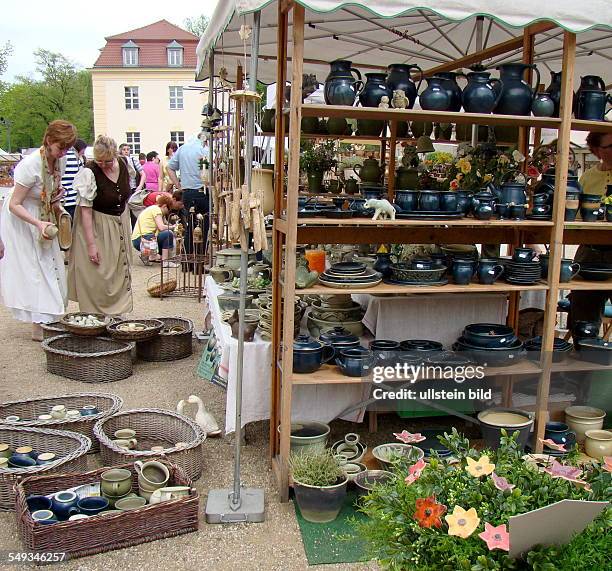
(407, 199)
(511, 419)
(448, 201)
(308, 436)
(310, 125)
(320, 504)
(598, 443)
(583, 418)
(315, 182)
(370, 127)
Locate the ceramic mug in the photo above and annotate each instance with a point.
(44, 516)
(58, 411)
(151, 475)
(46, 458)
(5, 450)
(36, 503)
(559, 433)
(124, 443)
(523, 255)
(64, 504)
(125, 434)
(116, 482)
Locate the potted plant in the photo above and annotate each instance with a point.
(315, 161)
(607, 202)
(319, 484)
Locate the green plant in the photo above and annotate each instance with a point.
(315, 468)
(317, 156)
(607, 200)
(350, 162)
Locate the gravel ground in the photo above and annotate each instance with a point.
(274, 544)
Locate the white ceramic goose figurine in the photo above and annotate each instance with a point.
(204, 419)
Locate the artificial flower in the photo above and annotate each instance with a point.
(428, 512)
(503, 159)
(481, 468)
(533, 172)
(462, 522)
(409, 438)
(553, 445)
(415, 471)
(496, 537)
(518, 156)
(501, 483)
(558, 470)
(607, 464)
(464, 165)
(487, 177)
(459, 176)
(454, 184)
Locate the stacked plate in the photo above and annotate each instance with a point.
(491, 343)
(561, 349)
(350, 275)
(522, 273)
(596, 272)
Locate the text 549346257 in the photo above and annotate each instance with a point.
(40, 557)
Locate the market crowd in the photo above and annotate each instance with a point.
(115, 205)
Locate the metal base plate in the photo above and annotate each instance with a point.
(251, 508)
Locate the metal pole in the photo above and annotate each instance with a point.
(244, 258)
(211, 139)
(479, 23)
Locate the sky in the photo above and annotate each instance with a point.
(77, 29)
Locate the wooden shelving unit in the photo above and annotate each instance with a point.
(289, 230)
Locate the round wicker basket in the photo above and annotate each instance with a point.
(171, 344)
(152, 329)
(70, 448)
(88, 359)
(155, 289)
(53, 329)
(29, 410)
(153, 427)
(82, 330)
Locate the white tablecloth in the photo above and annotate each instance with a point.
(317, 402)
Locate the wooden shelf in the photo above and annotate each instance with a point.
(589, 285)
(600, 126)
(433, 116)
(580, 225)
(388, 289)
(470, 222)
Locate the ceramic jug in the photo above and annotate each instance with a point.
(462, 271)
(482, 93)
(374, 89)
(406, 177)
(516, 94)
(554, 90)
(452, 88)
(370, 171)
(435, 97)
(543, 105)
(591, 105)
(341, 87)
(592, 83)
(398, 77)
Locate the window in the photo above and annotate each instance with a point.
(176, 97)
(130, 53)
(133, 140)
(178, 137)
(175, 57)
(131, 98)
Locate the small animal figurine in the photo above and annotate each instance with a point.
(204, 419)
(382, 208)
(399, 101)
(384, 102)
(410, 158)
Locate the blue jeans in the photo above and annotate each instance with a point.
(165, 240)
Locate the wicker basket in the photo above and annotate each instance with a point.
(154, 427)
(153, 329)
(168, 345)
(155, 289)
(86, 331)
(104, 532)
(53, 329)
(29, 410)
(70, 447)
(88, 359)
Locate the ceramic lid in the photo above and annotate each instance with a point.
(304, 343)
(337, 335)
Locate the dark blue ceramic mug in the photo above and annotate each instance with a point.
(65, 504)
(489, 271)
(92, 505)
(559, 433)
(356, 362)
(569, 269)
(36, 503)
(463, 271)
(523, 254)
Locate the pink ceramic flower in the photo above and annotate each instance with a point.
(415, 471)
(501, 483)
(553, 445)
(607, 465)
(409, 438)
(496, 537)
(558, 470)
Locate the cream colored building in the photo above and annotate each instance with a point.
(141, 89)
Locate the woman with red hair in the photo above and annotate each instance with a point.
(152, 223)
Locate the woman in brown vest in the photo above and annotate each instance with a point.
(99, 269)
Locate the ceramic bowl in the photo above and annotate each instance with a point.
(387, 454)
(598, 443)
(583, 418)
(232, 302)
(133, 503)
(365, 481)
(116, 482)
(317, 326)
(169, 493)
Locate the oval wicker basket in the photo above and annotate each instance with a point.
(155, 289)
(153, 328)
(88, 359)
(168, 345)
(153, 427)
(53, 329)
(86, 331)
(29, 410)
(70, 447)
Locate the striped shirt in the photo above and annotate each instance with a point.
(73, 166)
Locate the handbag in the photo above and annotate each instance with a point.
(148, 246)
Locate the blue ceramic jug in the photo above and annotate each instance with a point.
(516, 94)
(435, 97)
(374, 89)
(64, 504)
(398, 77)
(463, 271)
(591, 105)
(449, 82)
(482, 93)
(554, 90)
(341, 87)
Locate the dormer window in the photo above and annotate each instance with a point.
(175, 54)
(130, 54)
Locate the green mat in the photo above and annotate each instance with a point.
(336, 541)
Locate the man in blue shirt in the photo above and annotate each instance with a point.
(186, 160)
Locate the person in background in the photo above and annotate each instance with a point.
(32, 274)
(137, 175)
(74, 163)
(171, 148)
(99, 268)
(142, 159)
(153, 222)
(152, 172)
(590, 305)
(186, 160)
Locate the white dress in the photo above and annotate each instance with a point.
(32, 274)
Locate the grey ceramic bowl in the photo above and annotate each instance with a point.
(365, 481)
(385, 453)
(231, 302)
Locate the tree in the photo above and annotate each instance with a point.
(5, 51)
(197, 25)
(64, 92)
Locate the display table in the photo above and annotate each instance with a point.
(312, 402)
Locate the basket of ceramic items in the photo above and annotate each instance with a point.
(149, 433)
(88, 324)
(53, 329)
(74, 412)
(85, 522)
(88, 359)
(135, 329)
(174, 342)
(26, 451)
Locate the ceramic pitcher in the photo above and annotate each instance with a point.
(435, 97)
(341, 87)
(482, 93)
(398, 77)
(449, 82)
(516, 94)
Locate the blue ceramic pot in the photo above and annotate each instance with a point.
(64, 505)
(383, 264)
(543, 105)
(449, 83)
(435, 96)
(464, 201)
(523, 255)
(92, 505)
(516, 94)
(483, 211)
(480, 95)
(429, 200)
(374, 89)
(422, 264)
(591, 105)
(560, 433)
(517, 211)
(448, 201)
(462, 271)
(554, 90)
(89, 410)
(502, 210)
(356, 362)
(309, 354)
(36, 503)
(398, 77)
(513, 192)
(21, 461)
(407, 199)
(341, 87)
(385, 351)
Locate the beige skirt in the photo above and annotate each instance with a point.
(107, 287)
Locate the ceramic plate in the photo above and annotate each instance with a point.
(426, 214)
(345, 285)
(391, 281)
(538, 217)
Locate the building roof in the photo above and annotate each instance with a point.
(152, 42)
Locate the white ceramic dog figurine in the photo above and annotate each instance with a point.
(382, 208)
